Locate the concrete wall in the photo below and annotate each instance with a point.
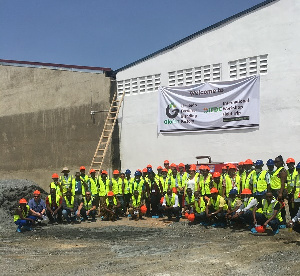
(45, 121)
(269, 30)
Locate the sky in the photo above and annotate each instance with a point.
(103, 33)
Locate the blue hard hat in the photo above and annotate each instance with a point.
(259, 163)
(137, 173)
(270, 162)
(233, 192)
(149, 170)
(260, 193)
(128, 171)
(298, 166)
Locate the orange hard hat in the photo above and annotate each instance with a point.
(164, 170)
(173, 165)
(174, 190)
(216, 174)
(162, 200)
(139, 170)
(186, 215)
(23, 200)
(92, 171)
(214, 190)
(36, 192)
(231, 166)
(191, 217)
(192, 167)
(55, 175)
(248, 162)
(260, 229)
(201, 167)
(224, 168)
(290, 160)
(82, 168)
(144, 170)
(166, 162)
(110, 193)
(104, 172)
(159, 168)
(149, 166)
(246, 192)
(116, 172)
(143, 209)
(241, 163)
(181, 165)
(206, 168)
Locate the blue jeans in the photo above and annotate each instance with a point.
(24, 222)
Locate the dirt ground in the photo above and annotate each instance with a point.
(146, 247)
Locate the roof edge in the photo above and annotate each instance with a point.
(209, 28)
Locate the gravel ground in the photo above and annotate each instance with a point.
(146, 247)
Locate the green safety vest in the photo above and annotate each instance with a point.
(94, 185)
(136, 202)
(74, 185)
(290, 180)
(164, 183)
(199, 208)
(205, 184)
(57, 198)
(229, 183)
(182, 179)
(275, 180)
(170, 201)
(232, 203)
(24, 213)
(137, 186)
(103, 187)
(248, 202)
(297, 187)
(268, 209)
(70, 204)
(243, 179)
(215, 203)
(56, 187)
(219, 187)
(116, 186)
(250, 176)
(114, 201)
(190, 200)
(260, 184)
(88, 204)
(66, 183)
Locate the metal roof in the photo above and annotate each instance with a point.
(203, 31)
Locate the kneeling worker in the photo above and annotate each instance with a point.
(54, 206)
(87, 207)
(69, 206)
(170, 205)
(111, 207)
(22, 216)
(199, 208)
(216, 208)
(135, 206)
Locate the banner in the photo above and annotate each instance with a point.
(209, 106)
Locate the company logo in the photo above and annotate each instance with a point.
(212, 109)
(171, 110)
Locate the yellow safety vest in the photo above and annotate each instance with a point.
(290, 180)
(230, 183)
(275, 180)
(261, 184)
(88, 204)
(199, 208)
(297, 186)
(66, 183)
(103, 187)
(94, 183)
(56, 187)
(215, 203)
(268, 209)
(70, 204)
(136, 202)
(190, 200)
(205, 184)
(170, 201)
(24, 213)
(114, 202)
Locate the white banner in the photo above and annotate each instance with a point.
(209, 106)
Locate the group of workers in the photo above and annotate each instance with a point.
(242, 194)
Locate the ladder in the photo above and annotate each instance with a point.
(106, 135)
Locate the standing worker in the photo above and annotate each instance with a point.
(66, 180)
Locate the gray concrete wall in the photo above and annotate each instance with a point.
(45, 121)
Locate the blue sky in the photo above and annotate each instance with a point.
(111, 33)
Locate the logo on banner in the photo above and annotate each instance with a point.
(212, 109)
(171, 110)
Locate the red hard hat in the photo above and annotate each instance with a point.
(260, 229)
(246, 192)
(216, 174)
(174, 190)
(143, 209)
(166, 162)
(214, 190)
(181, 165)
(191, 217)
(144, 170)
(290, 160)
(104, 172)
(36, 192)
(116, 172)
(110, 193)
(162, 200)
(248, 162)
(173, 165)
(92, 171)
(149, 166)
(159, 168)
(186, 215)
(23, 200)
(55, 175)
(82, 168)
(241, 163)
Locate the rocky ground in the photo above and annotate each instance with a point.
(147, 247)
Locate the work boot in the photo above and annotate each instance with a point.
(19, 230)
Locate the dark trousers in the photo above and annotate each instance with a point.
(247, 218)
(91, 214)
(261, 219)
(200, 217)
(219, 217)
(58, 216)
(154, 200)
(173, 211)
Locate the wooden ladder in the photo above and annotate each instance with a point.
(107, 131)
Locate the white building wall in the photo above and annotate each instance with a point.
(271, 30)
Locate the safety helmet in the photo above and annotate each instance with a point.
(214, 191)
(174, 190)
(104, 172)
(192, 167)
(166, 162)
(206, 168)
(149, 170)
(137, 173)
(201, 167)
(92, 171)
(298, 166)
(116, 172)
(181, 165)
(55, 175)
(144, 170)
(191, 217)
(82, 168)
(186, 215)
(164, 170)
(216, 174)
(143, 209)
(36, 192)
(224, 168)
(260, 229)
(290, 160)
(173, 165)
(23, 200)
(246, 192)
(159, 168)
(128, 171)
(161, 200)
(240, 163)
(270, 162)
(248, 162)
(149, 166)
(231, 166)
(233, 192)
(259, 163)
(110, 193)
